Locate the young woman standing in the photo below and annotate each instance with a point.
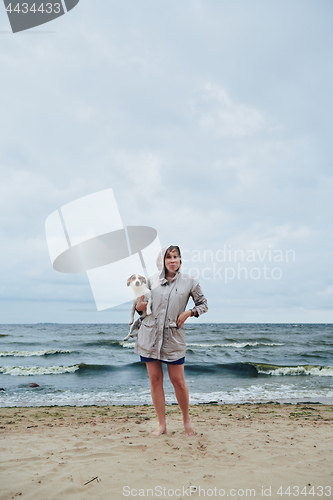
(161, 337)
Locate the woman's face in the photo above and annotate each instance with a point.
(172, 261)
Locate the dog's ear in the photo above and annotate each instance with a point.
(142, 279)
(130, 279)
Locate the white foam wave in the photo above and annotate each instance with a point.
(318, 371)
(69, 398)
(251, 394)
(129, 345)
(235, 344)
(264, 393)
(37, 370)
(28, 354)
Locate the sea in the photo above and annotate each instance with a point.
(90, 364)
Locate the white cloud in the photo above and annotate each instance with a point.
(220, 114)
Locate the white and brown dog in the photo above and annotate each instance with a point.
(139, 288)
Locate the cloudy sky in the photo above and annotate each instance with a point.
(211, 120)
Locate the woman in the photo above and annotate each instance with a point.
(161, 337)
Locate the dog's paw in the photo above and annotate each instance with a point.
(130, 322)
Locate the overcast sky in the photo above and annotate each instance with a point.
(211, 120)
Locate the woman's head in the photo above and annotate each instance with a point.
(172, 259)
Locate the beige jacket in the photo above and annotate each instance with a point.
(158, 336)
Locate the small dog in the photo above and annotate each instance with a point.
(139, 288)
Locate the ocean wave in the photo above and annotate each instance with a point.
(128, 345)
(106, 343)
(37, 370)
(256, 369)
(264, 393)
(237, 344)
(238, 369)
(224, 369)
(70, 398)
(251, 394)
(28, 354)
(80, 368)
(276, 370)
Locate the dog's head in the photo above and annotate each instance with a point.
(136, 280)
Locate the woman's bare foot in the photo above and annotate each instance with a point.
(161, 429)
(189, 431)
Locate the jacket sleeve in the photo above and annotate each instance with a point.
(199, 299)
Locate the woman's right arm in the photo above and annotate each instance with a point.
(141, 305)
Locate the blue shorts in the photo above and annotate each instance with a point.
(180, 361)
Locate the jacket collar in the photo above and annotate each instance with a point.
(163, 279)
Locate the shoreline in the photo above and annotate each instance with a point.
(95, 452)
(270, 407)
(284, 402)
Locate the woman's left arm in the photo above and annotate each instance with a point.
(201, 305)
(200, 301)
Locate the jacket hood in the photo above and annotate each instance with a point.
(160, 260)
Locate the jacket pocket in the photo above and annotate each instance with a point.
(147, 337)
(149, 321)
(177, 338)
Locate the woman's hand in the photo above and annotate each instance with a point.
(182, 318)
(141, 305)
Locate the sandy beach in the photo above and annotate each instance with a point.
(240, 451)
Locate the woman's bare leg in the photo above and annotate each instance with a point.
(176, 375)
(155, 372)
